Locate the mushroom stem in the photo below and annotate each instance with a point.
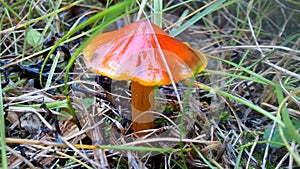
(142, 98)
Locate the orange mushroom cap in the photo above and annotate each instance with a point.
(132, 53)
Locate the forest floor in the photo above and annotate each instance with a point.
(241, 111)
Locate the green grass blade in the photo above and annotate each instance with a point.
(50, 105)
(118, 9)
(12, 86)
(177, 5)
(202, 157)
(51, 73)
(283, 112)
(2, 131)
(42, 17)
(243, 101)
(239, 159)
(285, 115)
(235, 76)
(8, 7)
(196, 18)
(158, 12)
(14, 33)
(259, 77)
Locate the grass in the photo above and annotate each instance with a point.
(250, 88)
(2, 133)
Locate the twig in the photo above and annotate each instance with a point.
(251, 151)
(268, 146)
(279, 165)
(21, 157)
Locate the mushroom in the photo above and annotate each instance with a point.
(145, 54)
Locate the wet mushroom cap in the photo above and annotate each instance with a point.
(132, 53)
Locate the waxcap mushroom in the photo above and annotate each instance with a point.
(131, 53)
(146, 55)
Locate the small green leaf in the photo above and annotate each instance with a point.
(34, 37)
(87, 102)
(276, 136)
